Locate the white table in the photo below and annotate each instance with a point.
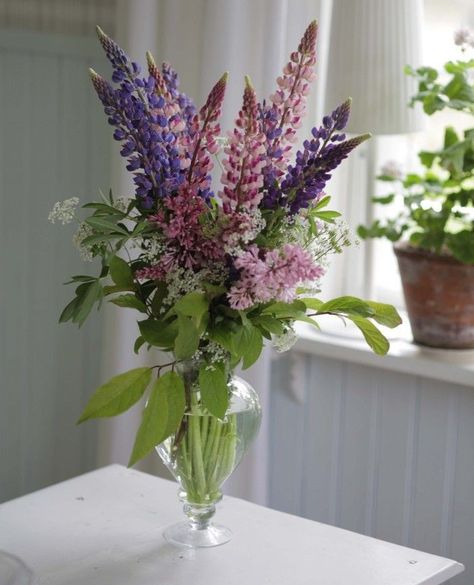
(105, 528)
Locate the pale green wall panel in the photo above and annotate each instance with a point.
(54, 144)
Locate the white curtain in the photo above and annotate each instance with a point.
(202, 39)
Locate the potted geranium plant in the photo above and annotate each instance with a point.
(212, 273)
(434, 227)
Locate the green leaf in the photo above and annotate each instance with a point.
(248, 343)
(101, 223)
(311, 303)
(130, 302)
(385, 200)
(69, 311)
(347, 305)
(120, 272)
(269, 323)
(139, 341)
(159, 296)
(187, 340)
(162, 415)
(374, 338)
(222, 335)
(118, 394)
(427, 158)
(90, 294)
(327, 216)
(158, 333)
(214, 390)
(461, 245)
(385, 314)
(194, 304)
(324, 202)
(285, 310)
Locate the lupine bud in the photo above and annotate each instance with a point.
(308, 41)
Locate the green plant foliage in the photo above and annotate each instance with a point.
(438, 204)
(162, 415)
(213, 387)
(118, 394)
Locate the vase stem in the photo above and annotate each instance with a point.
(199, 516)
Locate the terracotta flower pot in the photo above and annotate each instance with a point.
(439, 295)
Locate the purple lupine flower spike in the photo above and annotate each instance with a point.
(282, 117)
(306, 179)
(118, 58)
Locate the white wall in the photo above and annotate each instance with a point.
(382, 453)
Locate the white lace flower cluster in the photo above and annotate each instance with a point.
(64, 211)
(255, 224)
(181, 281)
(83, 231)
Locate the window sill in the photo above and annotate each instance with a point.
(341, 342)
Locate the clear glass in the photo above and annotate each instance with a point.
(13, 571)
(202, 455)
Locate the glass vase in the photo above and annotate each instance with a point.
(203, 453)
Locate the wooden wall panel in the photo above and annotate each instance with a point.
(385, 454)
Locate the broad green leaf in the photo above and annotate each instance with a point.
(285, 310)
(385, 314)
(323, 202)
(158, 333)
(347, 305)
(118, 394)
(101, 223)
(311, 303)
(374, 338)
(269, 323)
(158, 297)
(187, 340)
(222, 335)
(194, 304)
(327, 216)
(69, 311)
(248, 343)
(214, 390)
(162, 415)
(93, 292)
(130, 302)
(120, 272)
(139, 341)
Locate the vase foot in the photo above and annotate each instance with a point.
(184, 534)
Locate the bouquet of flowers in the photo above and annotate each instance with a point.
(213, 271)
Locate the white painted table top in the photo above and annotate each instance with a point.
(105, 528)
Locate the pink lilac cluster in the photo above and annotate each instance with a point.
(170, 145)
(271, 275)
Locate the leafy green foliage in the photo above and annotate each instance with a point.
(131, 302)
(118, 394)
(162, 415)
(438, 204)
(186, 342)
(214, 390)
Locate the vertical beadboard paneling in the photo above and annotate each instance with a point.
(359, 394)
(385, 454)
(395, 391)
(16, 155)
(462, 534)
(54, 145)
(287, 439)
(429, 485)
(321, 473)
